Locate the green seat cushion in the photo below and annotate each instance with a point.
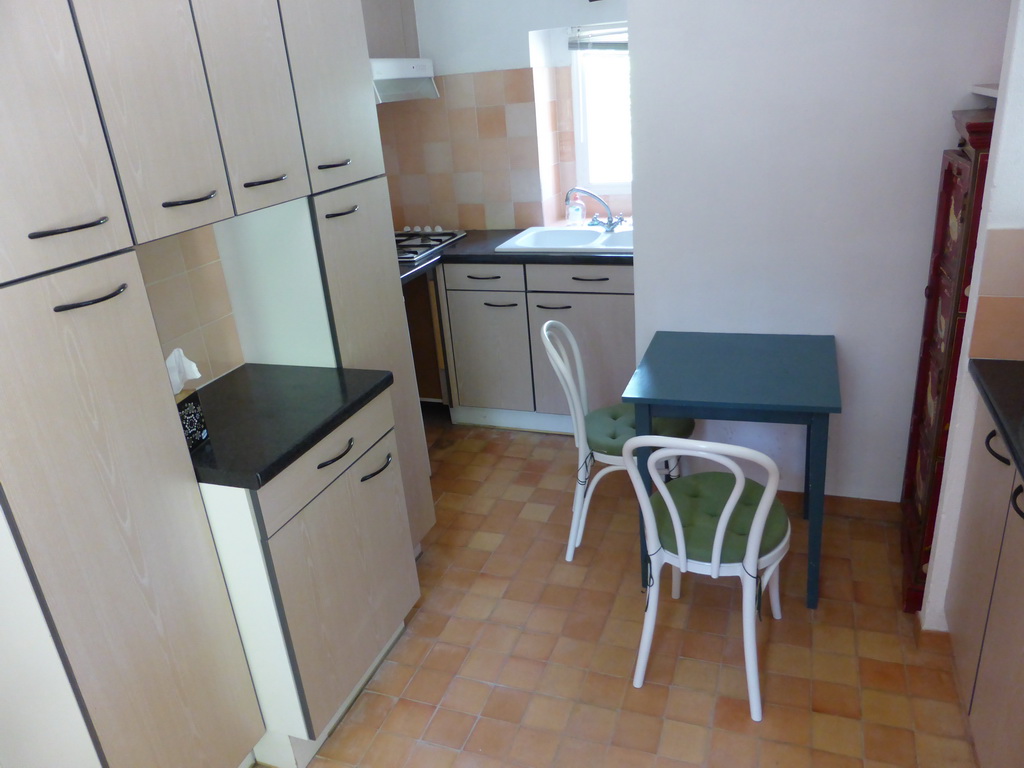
(700, 499)
(609, 428)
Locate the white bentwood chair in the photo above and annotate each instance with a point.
(720, 523)
(599, 434)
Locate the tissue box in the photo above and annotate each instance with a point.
(190, 410)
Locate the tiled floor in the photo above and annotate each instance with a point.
(515, 657)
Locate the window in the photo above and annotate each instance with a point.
(601, 108)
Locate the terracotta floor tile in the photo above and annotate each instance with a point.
(513, 656)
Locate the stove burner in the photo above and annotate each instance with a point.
(412, 246)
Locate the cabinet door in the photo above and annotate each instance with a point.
(334, 90)
(997, 713)
(357, 248)
(247, 68)
(101, 490)
(490, 341)
(983, 517)
(603, 326)
(384, 532)
(152, 90)
(320, 565)
(56, 168)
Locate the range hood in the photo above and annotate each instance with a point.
(403, 79)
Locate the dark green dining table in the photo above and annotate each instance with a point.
(760, 377)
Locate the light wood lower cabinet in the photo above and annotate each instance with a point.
(320, 597)
(493, 321)
(490, 349)
(99, 492)
(344, 569)
(983, 518)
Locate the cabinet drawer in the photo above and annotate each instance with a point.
(484, 277)
(582, 278)
(291, 490)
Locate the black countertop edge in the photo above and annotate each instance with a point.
(1001, 384)
(263, 417)
(477, 247)
(410, 270)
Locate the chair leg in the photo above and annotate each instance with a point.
(576, 526)
(750, 646)
(588, 496)
(770, 578)
(650, 618)
(677, 578)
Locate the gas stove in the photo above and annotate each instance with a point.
(413, 245)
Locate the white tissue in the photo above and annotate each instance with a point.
(180, 369)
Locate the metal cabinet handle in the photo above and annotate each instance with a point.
(387, 463)
(329, 166)
(991, 450)
(65, 230)
(193, 201)
(339, 457)
(1015, 499)
(349, 212)
(563, 306)
(484, 277)
(501, 306)
(260, 183)
(592, 279)
(89, 302)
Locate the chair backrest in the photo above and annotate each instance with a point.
(564, 354)
(668, 448)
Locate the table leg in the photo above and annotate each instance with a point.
(814, 499)
(644, 426)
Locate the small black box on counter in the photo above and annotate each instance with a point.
(190, 410)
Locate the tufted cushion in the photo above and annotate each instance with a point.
(700, 499)
(609, 428)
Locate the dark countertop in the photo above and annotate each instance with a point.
(1001, 384)
(477, 247)
(261, 418)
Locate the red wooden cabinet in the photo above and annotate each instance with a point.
(949, 275)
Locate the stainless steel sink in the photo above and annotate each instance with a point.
(568, 240)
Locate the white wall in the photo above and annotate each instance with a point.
(786, 160)
(482, 35)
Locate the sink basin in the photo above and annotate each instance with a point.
(568, 240)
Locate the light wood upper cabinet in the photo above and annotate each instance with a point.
(334, 90)
(99, 485)
(247, 69)
(155, 103)
(55, 166)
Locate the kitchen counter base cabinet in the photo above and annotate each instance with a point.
(492, 316)
(111, 527)
(320, 599)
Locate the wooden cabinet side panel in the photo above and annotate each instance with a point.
(56, 168)
(102, 490)
(247, 68)
(330, 65)
(152, 89)
(999, 693)
(491, 349)
(983, 517)
(365, 296)
(603, 326)
(321, 570)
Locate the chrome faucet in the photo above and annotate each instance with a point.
(610, 223)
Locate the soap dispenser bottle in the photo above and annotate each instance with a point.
(575, 211)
